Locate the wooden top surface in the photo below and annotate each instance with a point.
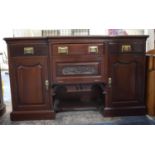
(77, 37)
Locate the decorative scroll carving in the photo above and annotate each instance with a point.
(74, 70)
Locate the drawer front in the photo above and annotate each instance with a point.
(126, 47)
(72, 71)
(28, 50)
(78, 49)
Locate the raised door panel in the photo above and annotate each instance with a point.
(124, 81)
(128, 75)
(28, 83)
(30, 89)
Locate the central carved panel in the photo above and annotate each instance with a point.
(77, 69)
(74, 70)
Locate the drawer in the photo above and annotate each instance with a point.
(126, 47)
(79, 71)
(78, 49)
(28, 50)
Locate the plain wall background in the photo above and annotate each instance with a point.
(97, 15)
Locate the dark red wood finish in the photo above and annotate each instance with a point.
(110, 79)
(28, 74)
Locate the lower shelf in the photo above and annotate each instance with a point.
(76, 105)
(78, 97)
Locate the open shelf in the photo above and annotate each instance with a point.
(78, 97)
(77, 105)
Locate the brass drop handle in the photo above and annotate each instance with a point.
(110, 82)
(93, 49)
(63, 50)
(46, 84)
(28, 50)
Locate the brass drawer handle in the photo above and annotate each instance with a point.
(63, 50)
(93, 49)
(126, 48)
(28, 50)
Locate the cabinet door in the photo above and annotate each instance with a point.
(126, 80)
(29, 83)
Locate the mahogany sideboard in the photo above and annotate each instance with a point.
(53, 74)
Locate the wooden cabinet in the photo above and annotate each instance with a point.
(54, 74)
(150, 82)
(29, 75)
(2, 105)
(126, 78)
(126, 82)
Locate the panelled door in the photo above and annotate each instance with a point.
(30, 83)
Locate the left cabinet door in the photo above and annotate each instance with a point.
(30, 87)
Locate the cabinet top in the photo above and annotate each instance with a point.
(78, 37)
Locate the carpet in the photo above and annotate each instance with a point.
(131, 120)
(80, 118)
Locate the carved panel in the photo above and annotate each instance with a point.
(74, 70)
(77, 69)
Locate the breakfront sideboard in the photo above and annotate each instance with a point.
(54, 74)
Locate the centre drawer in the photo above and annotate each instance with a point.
(78, 49)
(78, 70)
